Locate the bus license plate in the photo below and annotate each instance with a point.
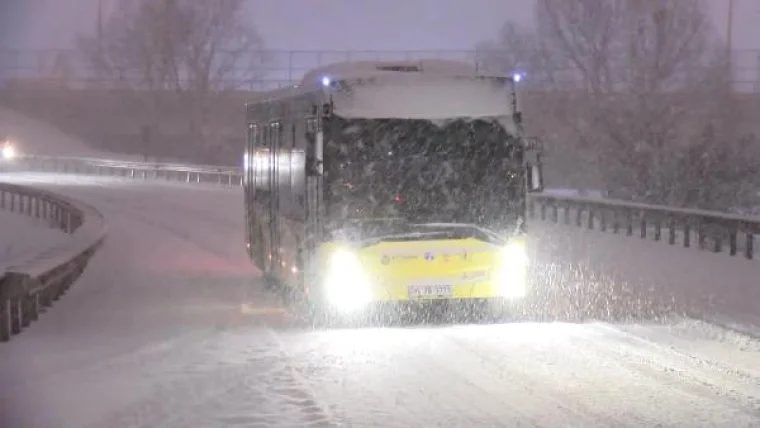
(429, 291)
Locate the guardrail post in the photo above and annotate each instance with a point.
(27, 304)
(701, 235)
(749, 249)
(672, 231)
(2, 199)
(5, 320)
(67, 222)
(44, 300)
(686, 235)
(16, 313)
(57, 216)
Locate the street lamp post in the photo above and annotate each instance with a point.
(730, 41)
(730, 26)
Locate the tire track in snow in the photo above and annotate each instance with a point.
(704, 376)
(507, 375)
(253, 385)
(641, 365)
(531, 376)
(428, 383)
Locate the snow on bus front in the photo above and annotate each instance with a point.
(412, 206)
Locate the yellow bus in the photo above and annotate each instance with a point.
(391, 184)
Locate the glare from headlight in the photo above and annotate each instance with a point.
(511, 275)
(514, 254)
(9, 152)
(346, 284)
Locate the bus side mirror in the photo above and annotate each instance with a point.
(313, 166)
(535, 178)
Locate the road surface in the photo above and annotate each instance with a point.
(158, 332)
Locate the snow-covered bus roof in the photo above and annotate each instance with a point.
(350, 70)
(425, 89)
(432, 89)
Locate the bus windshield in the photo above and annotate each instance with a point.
(460, 170)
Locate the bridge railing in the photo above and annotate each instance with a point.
(30, 284)
(206, 174)
(705, 230)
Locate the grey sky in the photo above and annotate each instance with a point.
(343, 24)
(337, 24)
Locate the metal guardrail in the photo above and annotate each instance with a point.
(705, 230)
(30, 285)
(199, 174)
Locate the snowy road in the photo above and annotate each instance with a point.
(153, 335)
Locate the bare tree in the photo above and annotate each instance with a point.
(513, 51)
(165, 54)
(647, 85)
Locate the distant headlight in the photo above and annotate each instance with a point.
(9, 152)
(346, 284)
(511, 274)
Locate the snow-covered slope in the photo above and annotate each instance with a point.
(34, 137)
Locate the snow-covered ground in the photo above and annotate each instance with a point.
(23, 237)
(155, 334)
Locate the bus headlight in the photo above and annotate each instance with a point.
(511, 274)
(347, 287)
